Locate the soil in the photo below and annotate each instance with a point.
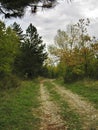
(83, 107)
(50, 112)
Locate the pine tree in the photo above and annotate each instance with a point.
(16, 27)
(32, 53)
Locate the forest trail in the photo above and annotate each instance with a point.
(85, 109)
(50, 117)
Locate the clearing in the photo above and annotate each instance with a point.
(44, 104)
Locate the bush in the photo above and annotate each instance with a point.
(72, 75)
(9, 81)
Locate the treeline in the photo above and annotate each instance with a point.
(21, 55)
(73, 56)
(76, 53)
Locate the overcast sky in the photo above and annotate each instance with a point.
(48, 21)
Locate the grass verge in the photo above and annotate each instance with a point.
(71, 118)
(18, 107)
(85, 88)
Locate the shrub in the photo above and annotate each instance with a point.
(72, 75)
(9, 81)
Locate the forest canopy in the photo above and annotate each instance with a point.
(21, 55)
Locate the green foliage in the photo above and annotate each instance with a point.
(61, 69)
(9, 81)
(52, 72)
(70, 76)
(8, 49)
(9, 45)
(21, 54)
(32, 54)
(16, 27)
(73, 74)
(76, 52)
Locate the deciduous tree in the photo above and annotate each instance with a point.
(76, 49)
(8, 49)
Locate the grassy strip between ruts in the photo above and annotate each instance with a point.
(71, 118)
(86, 88)
(18, 107)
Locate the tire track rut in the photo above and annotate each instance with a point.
(85, 109)
(50, 117)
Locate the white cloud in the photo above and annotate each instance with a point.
(49, 21)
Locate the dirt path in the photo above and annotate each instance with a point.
(86, 110)
(51, 119)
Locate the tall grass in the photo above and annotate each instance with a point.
(18, 107)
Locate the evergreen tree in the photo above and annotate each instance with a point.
(16, 27)
(16, 8)
(30, 62)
